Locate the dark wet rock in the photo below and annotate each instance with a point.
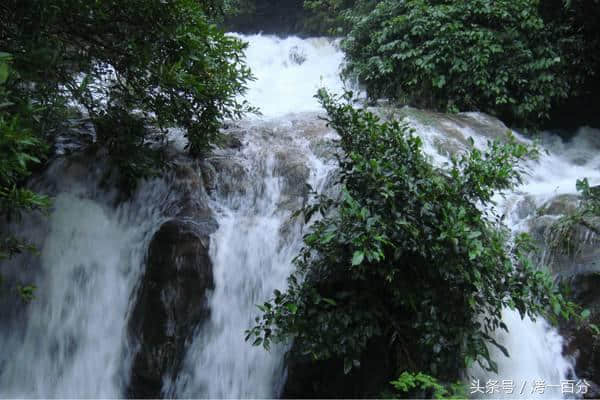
(571, 252)
(566, 253)
(232, 176)
(307, 378)
(171, 303)
(172, 297)
(525, 207)
(455, 129)
(293, 169)
(232, 140)
(191, 200)
(85, 173)
(209, 176)
(582, 344)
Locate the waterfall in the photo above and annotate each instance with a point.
(289, 71)
(71, 340)
(252, 253)
(535, 347)
(72, 343)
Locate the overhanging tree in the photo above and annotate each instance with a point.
(135, 68)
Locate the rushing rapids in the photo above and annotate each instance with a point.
(72, 340)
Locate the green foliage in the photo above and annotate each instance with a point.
(406, 256)
(330, 16)
(578, 35)
(590, 198)
(493, 56)
(20, 151)
(563, 234)
(297, 17)
(125, 137)
(409, 383)
(136, 67)
(253, 16)
(163, 61)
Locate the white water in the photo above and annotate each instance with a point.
(73, 342)
(252, 257)
(250, 254)
(536, 348)
(282, 85)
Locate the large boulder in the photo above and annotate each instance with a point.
(171, 303)
(172, 297)
(568, 252)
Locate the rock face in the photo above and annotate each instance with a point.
(575, 256)
(568, 254)
(172, 297)
(171, 303)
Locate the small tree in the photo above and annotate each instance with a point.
(406, 256)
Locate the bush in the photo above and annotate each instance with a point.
(20, 151)
(494, 56)
(406, 256)
(163, 60)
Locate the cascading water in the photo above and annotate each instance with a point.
(71, 341)
(536, 348)
(289, 71)
(536, 366)
(252, 252)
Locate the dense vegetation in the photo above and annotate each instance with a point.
(20, 150)
(519, 60)
(407, 257)
(262, 16)
(457, 55)
(135, 68)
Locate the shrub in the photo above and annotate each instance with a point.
(494, 56)
(406, 256)
(20, 150)
(163, 60)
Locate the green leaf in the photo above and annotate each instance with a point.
(347, 366)
(328, 237)
(3, 72)
(556, 307)
(329, 301)
(293, 308)
(357, 258)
